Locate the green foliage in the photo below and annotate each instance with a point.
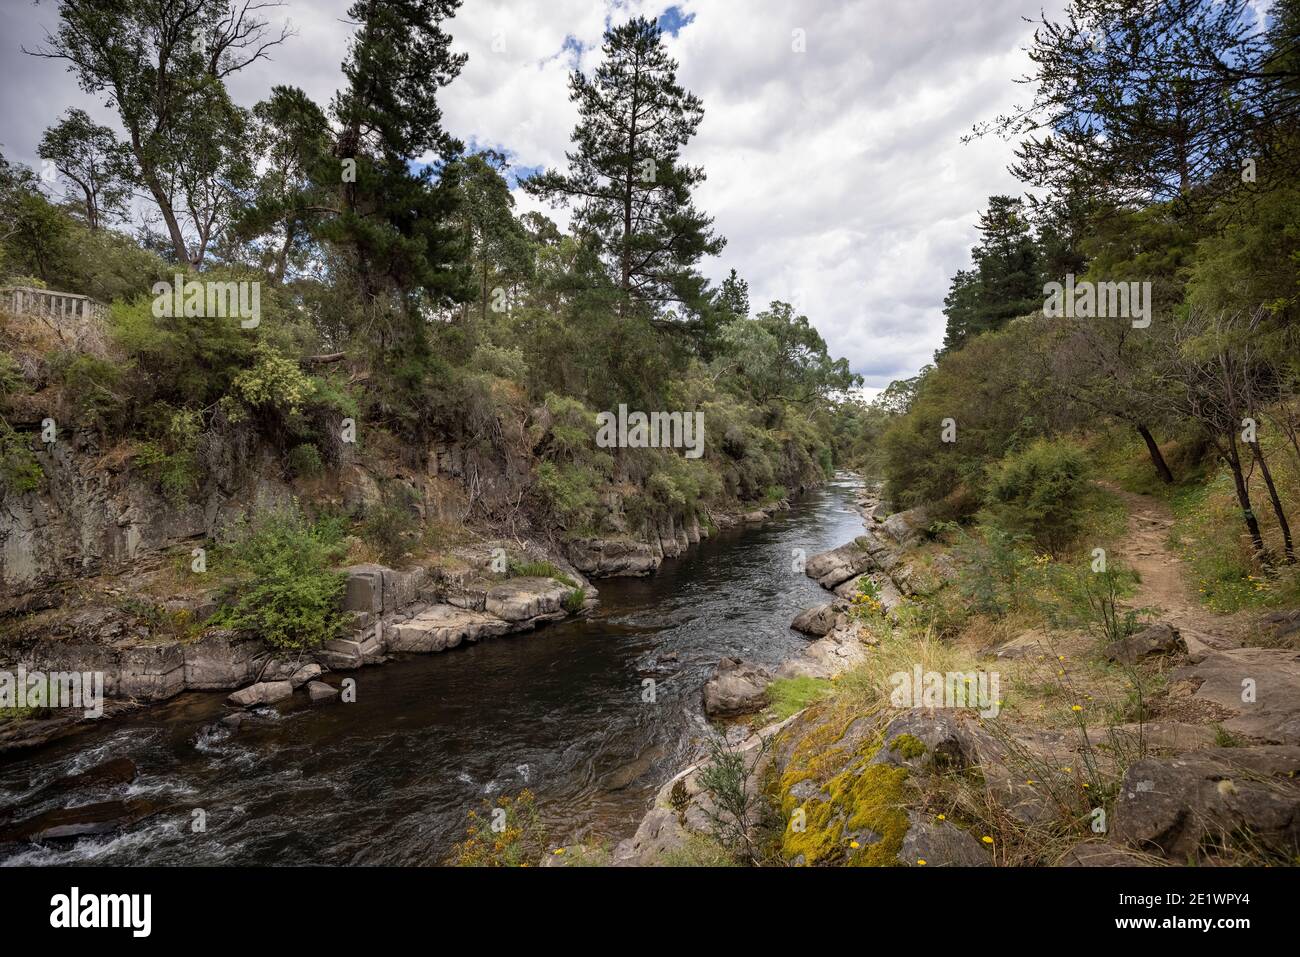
(392, 526)
(96, 388)
(538, 569)
(570, 493)
(1004, 283)
(282, 584)
(789, 695)
(170, 457)
(1093, 600)
(614, 181)
(991, 565)
(735, 810)
(273, 382)
(994, 402)
(1207, 535)
(575, 601)
(12, 381)
(1039, 493)
(20, 472)
(305, 461)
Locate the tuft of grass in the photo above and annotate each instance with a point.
(530, 569)
(790, 695)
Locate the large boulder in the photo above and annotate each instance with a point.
(305, 674)
(319, 691)
(1258, 689)
(613, 557)
(264, 692)
(222, 660)
(834, 653)
(443, 626)
(1187, 807)
(839, 564)
(363, 589)
(1158, 639)
(930, 842)
(522, 599)
(736, 687)
(906, 528)
(816, 621)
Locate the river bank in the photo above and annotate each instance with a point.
(440, 733)
(1041, 745)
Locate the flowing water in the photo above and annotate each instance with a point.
(389, 779)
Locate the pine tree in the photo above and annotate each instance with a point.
(1005, 281)
(630, 190)
(395, 222)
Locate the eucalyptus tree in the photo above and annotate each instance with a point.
(163, 67)
(89, 158)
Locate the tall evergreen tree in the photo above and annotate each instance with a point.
(395, 213)
(630, 190)
(1153, 101)
(1005, 282)
(499, 246)
(291, 138)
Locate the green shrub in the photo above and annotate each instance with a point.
(575, 601)
(570, 493)
(392, 528)
(1039, 492)
(20, 472)
(991, 563)
(283, 586)
(12, 381)
(170, 457)
(305, 461)
(1091, 600)
(95, 387)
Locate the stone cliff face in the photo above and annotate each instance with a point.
(97, 513)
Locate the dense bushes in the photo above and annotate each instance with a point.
(968, 411)
(282, 585)
(1039, 493)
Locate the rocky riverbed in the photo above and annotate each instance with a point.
(494, 711)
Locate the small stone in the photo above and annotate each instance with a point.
(264, 692)
(320, 691)
(305, 674)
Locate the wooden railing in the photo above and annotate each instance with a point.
(68, 314)
(29, 301)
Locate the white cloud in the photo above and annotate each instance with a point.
(837, 174)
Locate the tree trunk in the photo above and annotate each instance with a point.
(1278, 511)
(1233, 458)
(1157, 459)
(150, 177)
(282, 257)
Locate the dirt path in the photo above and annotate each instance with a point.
(1164, 585)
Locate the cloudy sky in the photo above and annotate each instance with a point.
(836, 173)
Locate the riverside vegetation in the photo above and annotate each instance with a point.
(1100, 513)
(418, 392)
(1096, 509)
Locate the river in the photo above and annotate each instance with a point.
(390, 778)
